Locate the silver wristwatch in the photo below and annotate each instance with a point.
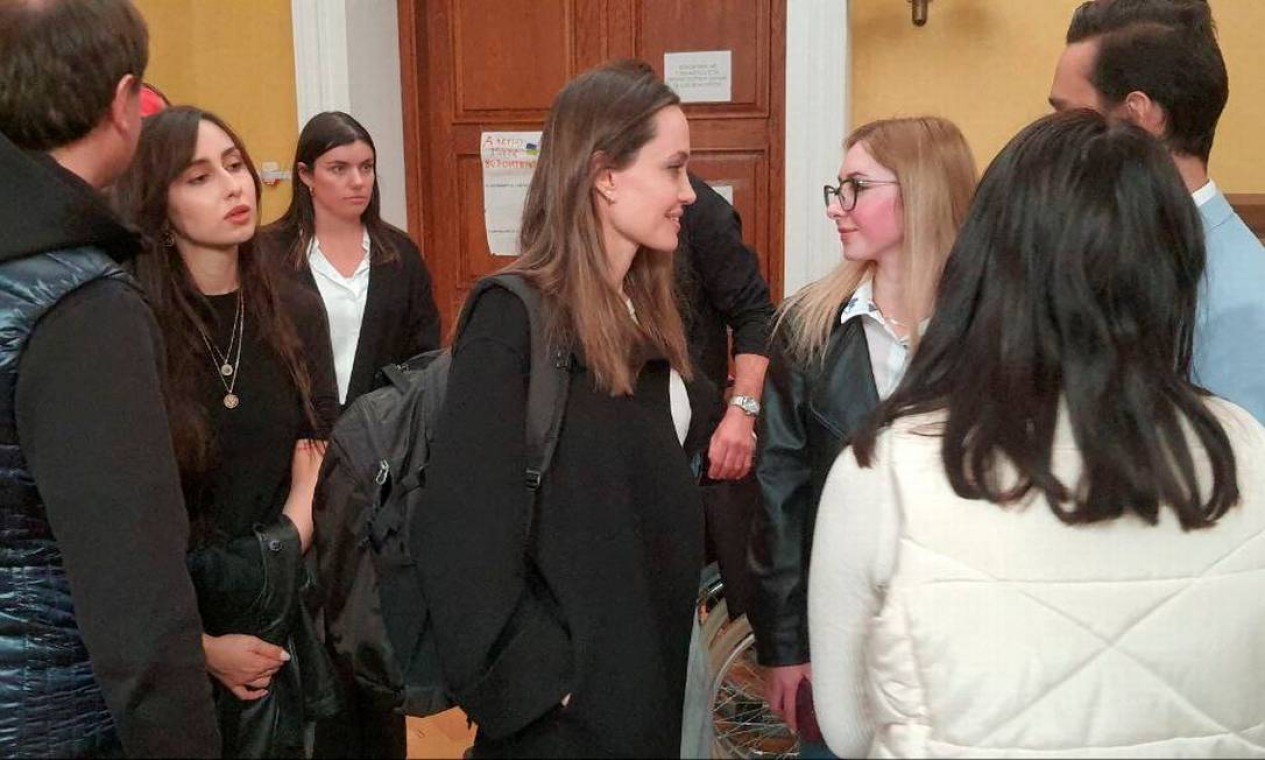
(749, 405)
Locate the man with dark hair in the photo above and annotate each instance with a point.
(727, 311)
(1156, 63)
(725, 304)
(100, 650)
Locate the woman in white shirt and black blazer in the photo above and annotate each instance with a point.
(370, 276)
(377, 293)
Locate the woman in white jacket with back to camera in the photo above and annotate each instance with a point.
(1047, 542)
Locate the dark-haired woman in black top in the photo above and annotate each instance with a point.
(250, 397)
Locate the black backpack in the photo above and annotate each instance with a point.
(371, 483)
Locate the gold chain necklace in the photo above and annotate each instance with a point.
(227, 371)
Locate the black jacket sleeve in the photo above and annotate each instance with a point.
(308, 314)
(422, 330)
(99, 447)
(506, 655)
(809, 412)
(780, 531)
(728, 271)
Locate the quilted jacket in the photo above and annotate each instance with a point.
(1005, 633)
(50, 703)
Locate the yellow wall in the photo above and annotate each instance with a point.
(236, 59)
(987, 65)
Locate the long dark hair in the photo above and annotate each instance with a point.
(600, 120)
(1073, 282)
(322, 133)
(168, 141)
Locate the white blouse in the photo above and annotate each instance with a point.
(889, 353)
(344, 299)
(678, 398)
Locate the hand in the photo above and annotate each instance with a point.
(244, 664)
(732, 446)
(781, 691)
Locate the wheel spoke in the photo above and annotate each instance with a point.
(744, 724)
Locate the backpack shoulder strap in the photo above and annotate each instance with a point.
(547, 388)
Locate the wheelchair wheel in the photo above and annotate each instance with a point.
(745, 726)
(712, 611)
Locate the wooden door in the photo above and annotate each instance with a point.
(470, 66)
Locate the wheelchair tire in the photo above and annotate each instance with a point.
(745, 726)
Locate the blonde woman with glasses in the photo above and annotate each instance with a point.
(1048, 542)
(841, 345)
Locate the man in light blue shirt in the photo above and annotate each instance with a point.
(1156, 63)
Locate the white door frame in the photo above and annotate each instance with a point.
(817, 76)
(347, 58)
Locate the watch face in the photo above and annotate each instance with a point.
(746, 404)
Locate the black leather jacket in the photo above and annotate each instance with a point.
(233, 600)
(808, 414)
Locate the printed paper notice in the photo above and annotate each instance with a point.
(702, 77)
(509, 159)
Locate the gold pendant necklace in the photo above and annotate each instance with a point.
(227, 371)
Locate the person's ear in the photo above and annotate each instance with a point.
(125, 107)
(604, 183)
(305, 173)
(603, 177)
(1138, 108)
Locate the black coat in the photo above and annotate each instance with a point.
(400, 320)
(595, 598)
(719, 285)
(808, 415)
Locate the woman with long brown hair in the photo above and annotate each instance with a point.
(249, 393)
(563, 616)
(839, 346)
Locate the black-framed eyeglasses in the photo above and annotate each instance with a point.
(848, 190)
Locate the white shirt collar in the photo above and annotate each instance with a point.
(861, 302)
(317, 260)
(1205, 193)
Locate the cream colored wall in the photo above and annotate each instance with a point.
(235, 58)
(987, 65)
(1238, 157)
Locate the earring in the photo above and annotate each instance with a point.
(309, 190)
(168, 240)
